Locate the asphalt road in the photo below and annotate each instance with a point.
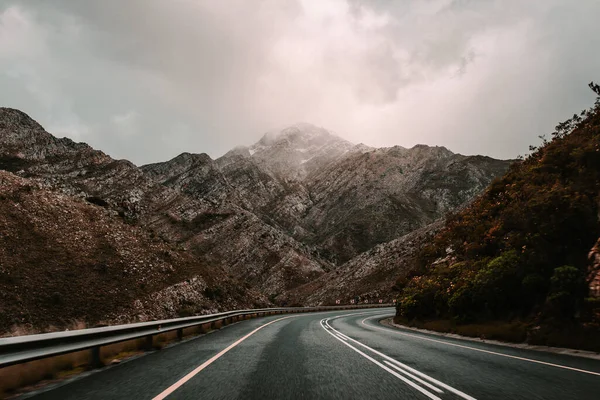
(337, 355)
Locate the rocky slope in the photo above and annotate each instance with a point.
(63, 259)
(369, 198)
(299, 150)
(370, 276)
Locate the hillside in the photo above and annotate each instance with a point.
(520, 250)
(370, 276)
(372, 197)
(65, 260)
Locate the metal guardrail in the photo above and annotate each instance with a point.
(21, 349)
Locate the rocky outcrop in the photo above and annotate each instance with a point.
(373, 197)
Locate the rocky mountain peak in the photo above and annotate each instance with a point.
(19, 131)
(296, 151)
(298, 135)
(420, 150)
(10, 117)
(185, 166)
(24, 141)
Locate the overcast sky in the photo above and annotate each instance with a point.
(148, 79)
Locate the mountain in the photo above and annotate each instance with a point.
(521, 251)
(263, 221)
(337, 198)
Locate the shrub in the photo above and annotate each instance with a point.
(568, 290)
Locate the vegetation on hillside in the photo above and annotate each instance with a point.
(520, 250)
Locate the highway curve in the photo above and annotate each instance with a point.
(336, 355)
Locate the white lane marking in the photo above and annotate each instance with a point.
(391, 330)
(414, 385)
(341, 337)
(190, 375)
(442, 384)
(414, 378)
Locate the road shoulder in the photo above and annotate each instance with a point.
(555, 350)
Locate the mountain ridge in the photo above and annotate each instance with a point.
(252, 218)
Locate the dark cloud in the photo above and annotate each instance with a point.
(147, 79)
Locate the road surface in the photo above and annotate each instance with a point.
(337, 355)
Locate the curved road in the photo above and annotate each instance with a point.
(337, 355)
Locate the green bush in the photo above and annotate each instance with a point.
(498, 284)
(567, 293)
(462, 304)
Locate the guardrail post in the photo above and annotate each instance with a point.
(148, 342)
(203, 328)
(95, 360)
(179, 334)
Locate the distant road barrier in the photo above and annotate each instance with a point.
(21, 349)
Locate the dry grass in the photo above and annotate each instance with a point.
(130, 347)
(22, 330)
(564, 335)
(27, 374)
(513, 331)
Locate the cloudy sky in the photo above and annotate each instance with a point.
(148, 79)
